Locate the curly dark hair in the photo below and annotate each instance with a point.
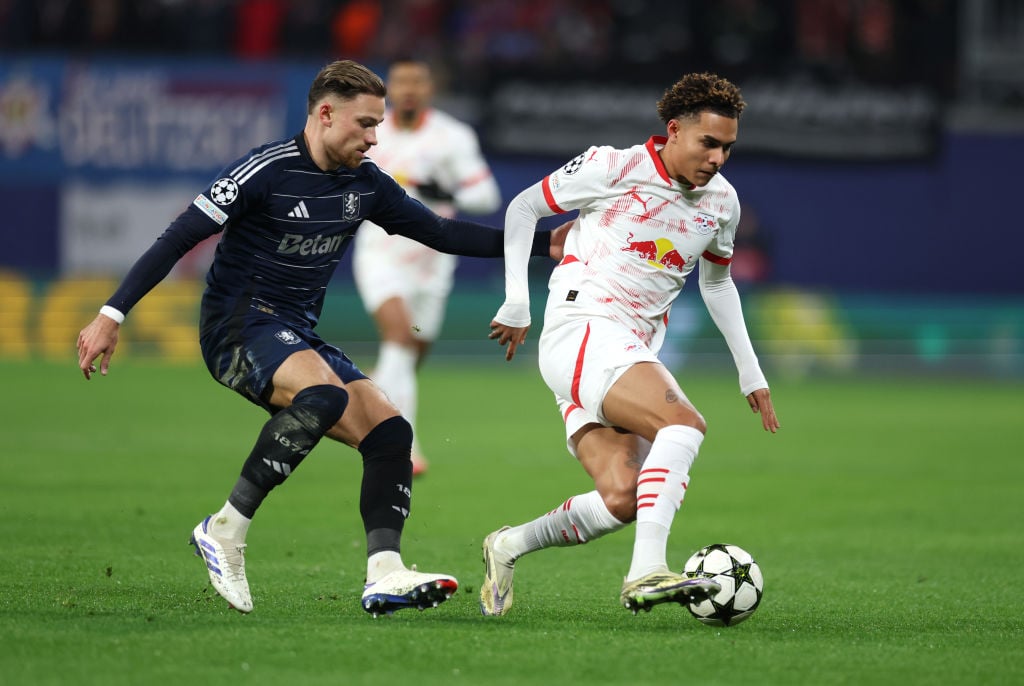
(697, 93)
(346, 79)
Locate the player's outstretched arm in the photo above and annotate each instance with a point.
(761, 402)
(100, 337)
(512, 321)
(97, 339)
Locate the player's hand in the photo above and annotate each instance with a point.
(557, 249)
(514, 336)
(761, 401)
(98, 338)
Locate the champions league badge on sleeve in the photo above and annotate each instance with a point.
(224, 191)
(573, 165)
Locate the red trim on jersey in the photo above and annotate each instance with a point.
(656, 158)
(569, 410)
(568, 259)
(473, 180)
(712, 257)
(578, 371)
(549, 197)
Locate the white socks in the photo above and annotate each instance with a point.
(659, 493)
(229, 523)
(579, 519)
(395, 374)
(381, 564)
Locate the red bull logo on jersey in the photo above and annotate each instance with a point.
(660, 253)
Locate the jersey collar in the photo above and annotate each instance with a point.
(655, 143)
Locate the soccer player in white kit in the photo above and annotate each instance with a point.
(647, 215)
(404, 285)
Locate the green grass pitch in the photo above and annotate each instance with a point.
(886, 516)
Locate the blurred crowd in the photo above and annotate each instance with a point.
(475, 42)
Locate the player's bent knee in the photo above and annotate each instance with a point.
(693, 419)
(320, 406)
(618, 486)
(621, 503)
(392, 437)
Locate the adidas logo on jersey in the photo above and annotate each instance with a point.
(299, 211)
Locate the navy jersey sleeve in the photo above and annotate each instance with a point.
(408, 217)
(224, 199)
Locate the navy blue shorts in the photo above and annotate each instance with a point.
(244, 353)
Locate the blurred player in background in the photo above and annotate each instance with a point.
(647, 215)
(287, 211)
(404, 284)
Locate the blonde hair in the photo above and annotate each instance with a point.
(345, 79)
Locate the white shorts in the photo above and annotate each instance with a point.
(387, 267)
(581, 359)
(575, 418)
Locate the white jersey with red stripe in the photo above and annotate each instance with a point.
(638, 236)
(442, 151)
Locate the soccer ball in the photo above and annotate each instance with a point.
(740, 577)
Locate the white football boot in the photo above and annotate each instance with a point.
(496, 590)
(225, 562)
(404, 588)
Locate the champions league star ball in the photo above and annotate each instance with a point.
(740, 577)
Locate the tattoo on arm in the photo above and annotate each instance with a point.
(671, 397)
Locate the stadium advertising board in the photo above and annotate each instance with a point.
(854, 123)
(103, 119)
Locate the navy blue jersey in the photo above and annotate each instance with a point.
(286, 225)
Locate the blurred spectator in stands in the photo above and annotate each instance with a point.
(412, 27)
(258, 24)
(306, 29)
(873, 55)
(354, 28)
(745, 38)
(659, 45)
(928, 44)
(822, 37)
(531, 39)
(17, 24)
(875, 42)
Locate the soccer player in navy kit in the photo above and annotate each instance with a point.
(288, 210)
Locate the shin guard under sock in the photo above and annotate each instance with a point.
(386, 492)
(284, 442)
